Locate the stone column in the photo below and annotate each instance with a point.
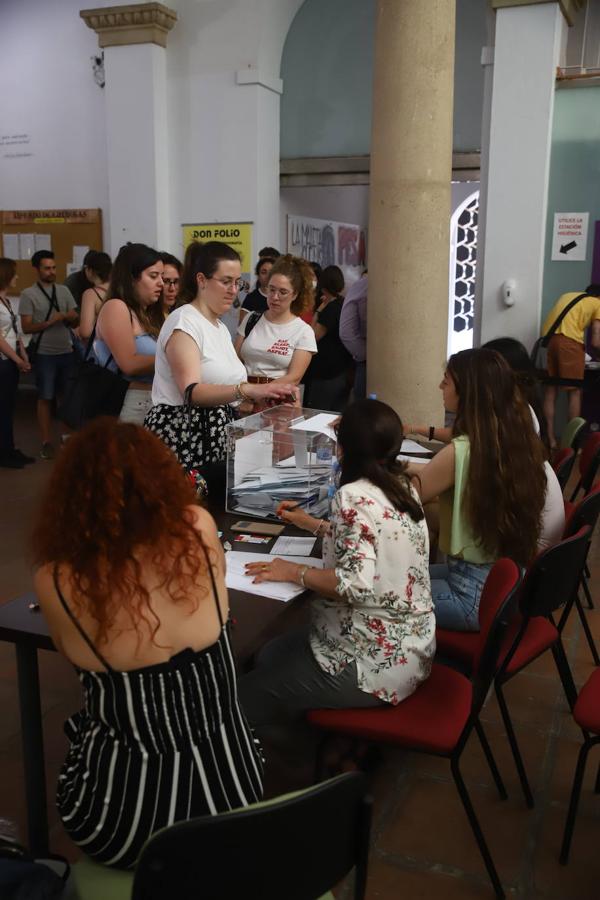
(134, 39)
(409, 217)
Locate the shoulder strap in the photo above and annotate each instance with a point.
(214, 585)
(13, 318)
(51, 298)
(251, 323)
(559, 318)
(77, 625)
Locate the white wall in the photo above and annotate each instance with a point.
(49, 93)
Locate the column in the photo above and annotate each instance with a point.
(528, 43)
(134, 39)
(409, 216)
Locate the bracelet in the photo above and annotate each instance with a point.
(317, 530)
(431, 432)
(301, 575)
(239, 393)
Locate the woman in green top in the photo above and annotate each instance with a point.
(490, 480)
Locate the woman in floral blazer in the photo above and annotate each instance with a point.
(371, 639)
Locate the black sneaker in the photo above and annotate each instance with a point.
(47, 451)
(8, 461)
(22, 457)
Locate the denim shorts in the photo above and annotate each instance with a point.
(51, 373)
(456, 588)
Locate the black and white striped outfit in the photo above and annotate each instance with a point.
(155, 746)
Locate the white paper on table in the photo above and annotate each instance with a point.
(43, 242)
(79, 251)
(236, 578)
(12, 246)
(416, 460)
(26, 245)
(293, 546)
(320, 423)
(409, 446)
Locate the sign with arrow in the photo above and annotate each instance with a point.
(569, 237)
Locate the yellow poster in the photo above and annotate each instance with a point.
(237, 234)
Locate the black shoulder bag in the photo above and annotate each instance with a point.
(92, 391)
(34, 344)
(539, 355)
(252, 322)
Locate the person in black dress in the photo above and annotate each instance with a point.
(327, 378)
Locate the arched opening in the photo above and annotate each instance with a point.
(463, 267)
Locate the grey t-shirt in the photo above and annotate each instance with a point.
(34, 302)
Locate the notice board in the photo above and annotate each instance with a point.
(68, 231)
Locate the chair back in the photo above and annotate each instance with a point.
(589, 462)
(563, 465)
(297, 847)
(586, 512)
(497, 610)
(572, 434)
(553, 577)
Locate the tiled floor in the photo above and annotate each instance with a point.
(422, 844)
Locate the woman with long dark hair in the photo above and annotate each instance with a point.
(372, 633)
(131, 581)
(198, 374)
(490, 480)
(128, 324)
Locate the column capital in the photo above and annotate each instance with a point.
(569, 8)
(134, 23)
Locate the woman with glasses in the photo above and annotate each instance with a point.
(198, 375)
(171, 280)
(277, 346)
(371, 637)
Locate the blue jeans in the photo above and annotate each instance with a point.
(456, 588)
(51, 373)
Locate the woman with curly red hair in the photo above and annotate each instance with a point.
(131, 582)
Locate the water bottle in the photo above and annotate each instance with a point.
(372, 397)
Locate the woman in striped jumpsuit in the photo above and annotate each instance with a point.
(131, 581)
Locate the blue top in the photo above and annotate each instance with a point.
(144, 343)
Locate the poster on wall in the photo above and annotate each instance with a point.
(239, 236)
(329, 243)
(569, 237)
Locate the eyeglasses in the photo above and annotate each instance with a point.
(171, 282)
(228, 282)
(283, 293)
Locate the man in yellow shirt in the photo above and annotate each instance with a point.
(566, 350)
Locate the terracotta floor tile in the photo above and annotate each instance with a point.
(579, 880)
(387, 880)
(531, 699)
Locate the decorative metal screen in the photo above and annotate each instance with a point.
(463, 265)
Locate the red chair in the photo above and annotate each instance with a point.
(563, 465)
(440, 716)
(551, 582)
(586, 512)
(589, 463)
(587, 716)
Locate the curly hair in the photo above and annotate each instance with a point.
(300, 276)
(117, 502)
(506, 484)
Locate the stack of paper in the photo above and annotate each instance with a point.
(236, 578)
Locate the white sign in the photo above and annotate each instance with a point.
(569, 237)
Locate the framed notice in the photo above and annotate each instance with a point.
(569, 237)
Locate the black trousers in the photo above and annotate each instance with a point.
(9, 379)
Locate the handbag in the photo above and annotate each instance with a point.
(34, 344)
(539, 352)
(24, 878)
(197, 479)
(92, 391)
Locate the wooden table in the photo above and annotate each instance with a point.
(256, 620)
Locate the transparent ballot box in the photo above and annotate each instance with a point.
(282, 453)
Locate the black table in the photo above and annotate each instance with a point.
(256, 620)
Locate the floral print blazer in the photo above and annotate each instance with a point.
(385, 624)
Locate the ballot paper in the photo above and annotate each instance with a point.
(321, 423)
(236, 578)
(412, 452)
(293, 546)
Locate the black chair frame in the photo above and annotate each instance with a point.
(555, 573)
(587, 513)
(588, 743)
(482, 681)
(298, 847)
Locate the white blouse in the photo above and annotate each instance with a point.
(385, 623)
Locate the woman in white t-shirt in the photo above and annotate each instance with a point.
(13, 361)
(278, 346)
(198, 375)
